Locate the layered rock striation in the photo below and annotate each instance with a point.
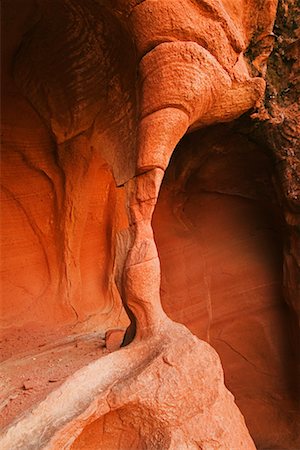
(97, 96)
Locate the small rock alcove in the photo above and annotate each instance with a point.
(217, 227)
(107, 432)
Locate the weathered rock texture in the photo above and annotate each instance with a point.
(163, 392)
(218, 230)
(279, 129)
(96, 96)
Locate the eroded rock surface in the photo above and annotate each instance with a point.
(164, 392)
(218, 226)
(96, 96)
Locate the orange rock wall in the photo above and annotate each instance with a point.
(219, 236)
(97, 94)
(60, 212)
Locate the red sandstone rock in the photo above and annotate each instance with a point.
(164, 392)
(217, 229)
(97, 95)
(114, 339)
(28, 384)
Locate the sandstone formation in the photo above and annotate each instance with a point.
(218, 230)
(104, 224)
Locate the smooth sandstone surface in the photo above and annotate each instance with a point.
(218, 232)
(101, 225)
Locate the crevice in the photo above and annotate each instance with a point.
(245, 358)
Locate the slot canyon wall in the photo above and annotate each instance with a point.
(150, 199)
